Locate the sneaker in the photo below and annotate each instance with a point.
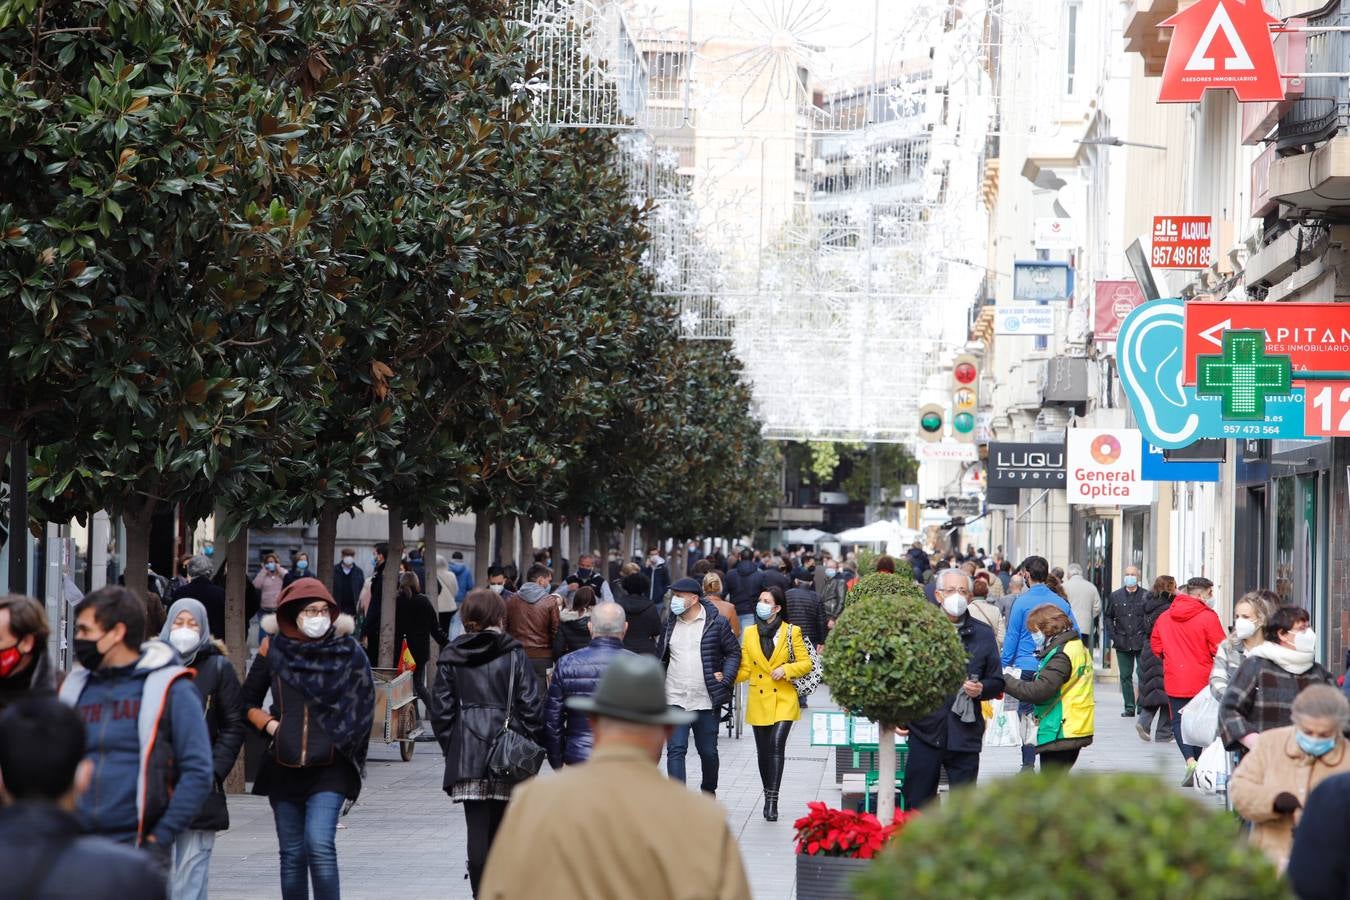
(1189, 780)
(1128, 714)
(1143, 732)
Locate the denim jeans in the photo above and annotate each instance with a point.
(1188, 752)
(191, 865)
(746, 621)
(705, 741)
(1025, 709)
(307, 834)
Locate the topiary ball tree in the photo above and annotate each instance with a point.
(892, 658)
(884, 584)
(1065, 836)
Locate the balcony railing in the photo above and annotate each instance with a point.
(1325, 107)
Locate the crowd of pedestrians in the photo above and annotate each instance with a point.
(602, 677)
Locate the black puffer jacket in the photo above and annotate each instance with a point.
(223, 705)
(1126, 620)
(644, 620)
(720, 650)
(744, 582)
(469, 702)
(805, 610)
(576, 675)
(1151, 690)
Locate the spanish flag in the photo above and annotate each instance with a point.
(405, 659)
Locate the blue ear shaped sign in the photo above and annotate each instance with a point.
(1171, 414)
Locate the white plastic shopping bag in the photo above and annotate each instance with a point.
(1001, 729)
(1200, 720)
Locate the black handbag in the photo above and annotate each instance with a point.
(513, 758)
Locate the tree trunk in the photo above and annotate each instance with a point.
(429, 552)
(136, 520)
(328, 519)
(885, 773)
(629, 536)
(506, 543)
(574, 548)
(482, 548)
(389, 591)
(556, 540)
(18, 517)
(236, 628)
(525, 525)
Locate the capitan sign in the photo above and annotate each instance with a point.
(1315, 336)
(1223, 45)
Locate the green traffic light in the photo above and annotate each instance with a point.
(964, 423)
(931, 422)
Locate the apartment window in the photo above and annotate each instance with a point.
(665, 75)
(1071, 13)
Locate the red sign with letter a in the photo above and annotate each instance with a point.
(1221, 44)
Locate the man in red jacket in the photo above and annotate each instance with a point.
(1186, 638)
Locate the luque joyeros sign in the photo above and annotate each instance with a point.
(1105, 468)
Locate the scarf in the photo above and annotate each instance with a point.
(334, 675)
(1295, 662)
(768, 634)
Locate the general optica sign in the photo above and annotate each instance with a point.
(1182, 242)
(1105, 468)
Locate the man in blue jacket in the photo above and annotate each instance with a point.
(701, 657)
(463, 576)
(1019, 650)
(952, 736)
(146, 734)
(576, 675)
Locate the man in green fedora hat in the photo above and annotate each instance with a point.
(619, 792)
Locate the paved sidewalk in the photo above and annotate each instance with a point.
(405, 838)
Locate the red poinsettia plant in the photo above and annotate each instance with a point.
(842, 832)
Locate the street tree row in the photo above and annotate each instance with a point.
(266, 259)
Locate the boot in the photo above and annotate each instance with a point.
(771, 806)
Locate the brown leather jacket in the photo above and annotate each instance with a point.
(533, 624)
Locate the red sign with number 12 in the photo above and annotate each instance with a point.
(1326, 410)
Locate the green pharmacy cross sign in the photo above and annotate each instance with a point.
(1243, 376)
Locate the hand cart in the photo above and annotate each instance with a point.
(395, 711)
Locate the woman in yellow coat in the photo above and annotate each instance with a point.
(772, 705)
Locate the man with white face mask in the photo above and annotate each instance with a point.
(952, 736)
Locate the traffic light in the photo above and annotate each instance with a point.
(965, 396)
(931, 419)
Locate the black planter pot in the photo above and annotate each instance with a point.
(827, 877)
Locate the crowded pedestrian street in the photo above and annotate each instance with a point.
(405, 831)
(675, 449)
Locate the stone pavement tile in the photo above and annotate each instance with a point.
(406, 839)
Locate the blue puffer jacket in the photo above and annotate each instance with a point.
(721, 653)
(576, 675)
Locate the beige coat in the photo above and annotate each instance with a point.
(986, 612)
(613, 827)
(1277, 766)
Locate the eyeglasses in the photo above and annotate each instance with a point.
(315, 609)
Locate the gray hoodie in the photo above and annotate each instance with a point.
(532, 593)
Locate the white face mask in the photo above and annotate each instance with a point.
(1243, 629)
(317, 626)
(1305, 641)
(349, 560)
(955, 605)
(184, 640)
(497, 588)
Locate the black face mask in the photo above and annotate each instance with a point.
(87, 652)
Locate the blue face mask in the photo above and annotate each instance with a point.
(302, 565)
(1314, 746)
(1131, 581)
(830, 573)
(209, 551)
(271, 567)
(764, 610)
(677, 605)
(1038, 639)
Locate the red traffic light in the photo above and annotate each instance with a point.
(965, 373)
